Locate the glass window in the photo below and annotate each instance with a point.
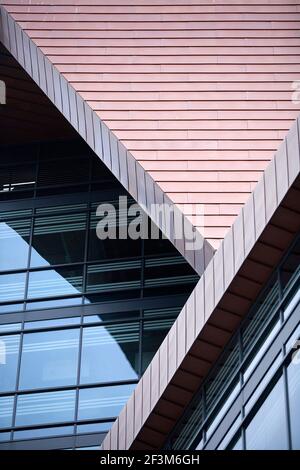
(291, 267)
(53, 303)
(165, 274)
(52, 323)
(114, 277)
(110, 248)
(9, 308)
(154, 333)
(58, 239)
(9, 353)
(4, 436)
(43, 432)
(293, 375)
(110, 353)
(49, 359)
(6, 411)
(94, 427)
(103, 402)
(12, 286)
(267, 429)
(237, 444)
(50, 283)
(14, 244)
(45, 408)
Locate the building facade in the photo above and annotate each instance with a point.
(172, 343)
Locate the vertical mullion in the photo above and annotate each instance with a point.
(287, 407)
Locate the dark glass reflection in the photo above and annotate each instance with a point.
(114, 277)
(154, 333)
(58, 239)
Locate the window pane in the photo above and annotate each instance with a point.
(44, 408)
(6, 411)
(43, 432)
(110, 353)
(103, 402)
(267, 430)
(293, 373)
(291, 267)
(111, 278)
(162, 275)
(109, 248)
(14, 239)
(58, 239)
(9, 352)
(49, 359)
(94, 427)
(50, 283)
(12, 286)
(53, 303)
(9, 308)
(154, 333)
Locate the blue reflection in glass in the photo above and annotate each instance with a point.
(49, 359)
(11, 308)
(50, 283)
(53, 303)
(14, 248)
(45, 408)
(6, 411)
(9, 351)
(44, 432)
(12, 287)
(267, 430)
(103, 402)
(110, 353)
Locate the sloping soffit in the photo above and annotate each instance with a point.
(256, 242)
(138, 182)
(198, 91)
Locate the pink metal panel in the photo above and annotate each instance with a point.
(181, 84)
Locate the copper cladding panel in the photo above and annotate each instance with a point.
(220, 301)
(199, 92)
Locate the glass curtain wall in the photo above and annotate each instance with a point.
(80, 318)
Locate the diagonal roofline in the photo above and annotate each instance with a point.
(135, 179)
(241, 266)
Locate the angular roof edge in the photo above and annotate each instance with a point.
(149, 195)
(230, 284)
